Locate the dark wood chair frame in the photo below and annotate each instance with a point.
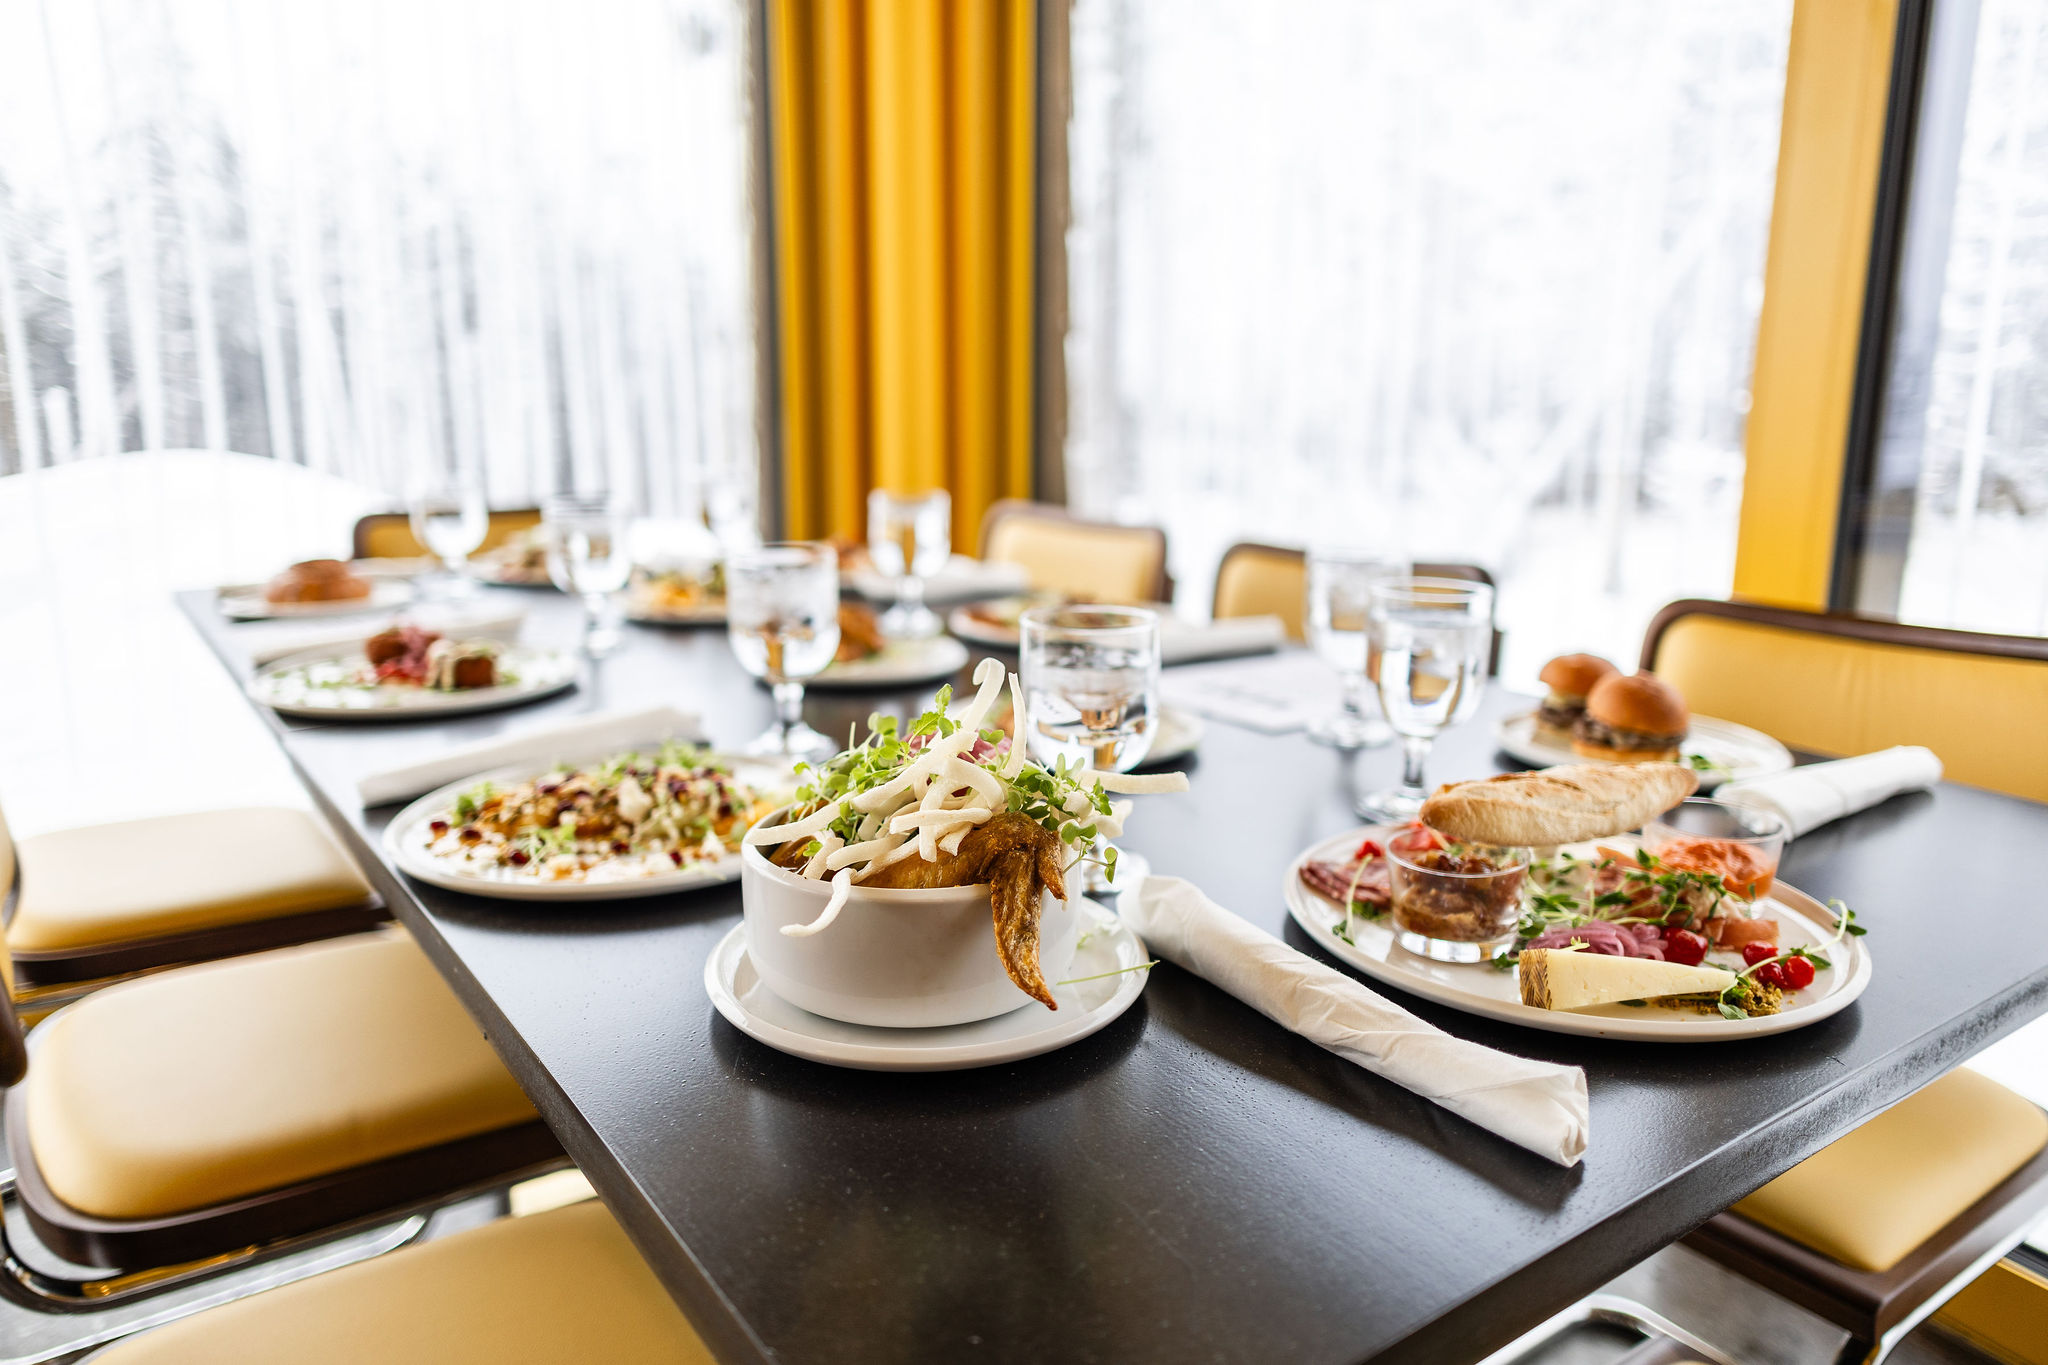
(105, 962)
(1010, 509)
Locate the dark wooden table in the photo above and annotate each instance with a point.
(1193, 1183)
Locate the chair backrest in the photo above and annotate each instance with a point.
(388, 535)
(1847, 685)
(1063, 553)
(13, 1046)
(1272, 580)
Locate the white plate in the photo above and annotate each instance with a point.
(310, 685)
(1482, 989)
(249, 604)
(1179, 734)
(1085, 1007)
(962, 579)
(1734, 750)
(965, 624)
(900, 664)
(648, 614)
(406, 837)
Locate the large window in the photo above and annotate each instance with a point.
(1477, 280)
(341, 234)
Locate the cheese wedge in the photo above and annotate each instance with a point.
(1554, 979)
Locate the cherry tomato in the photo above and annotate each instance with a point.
(1753, 953)
(1798, 973)
(1684, 947)
(1772, 974)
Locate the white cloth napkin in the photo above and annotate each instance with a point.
(1810, 796)
(1182, 642)
(1272, 695)
(583, 737)
(961, 580)
(1537, 1105)
(281, 639)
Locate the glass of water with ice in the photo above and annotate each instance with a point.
(1428, 642)
(449, 517)
(589, 558)
(910, 537)
(782, 611)
(1339, 588)
(1091, 697)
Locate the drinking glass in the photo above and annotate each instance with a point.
(782, 610)
(588, 556)
(1091, 693)
(449, 517)
(1456, 904)
(1428, 640)
(909, 540)
(1339, 585)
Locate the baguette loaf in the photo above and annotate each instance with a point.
(1557, 805)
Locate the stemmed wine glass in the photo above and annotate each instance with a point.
(1339, 585)
(782, 610)
(1429, 640)
(909, 540)
(450, 518)
(588, 556)
(1091, 691)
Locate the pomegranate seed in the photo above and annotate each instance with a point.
(1798, 973)
(1684, 947)
(439, 827)
(675, 856)
(518, 858)
(1753, 953)
(619, 846)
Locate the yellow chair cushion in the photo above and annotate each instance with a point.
(559, 1286)
(1257, 581)
(1868, 1199)
(1836, 696)
(175, 874)
(208, 1083)
(1080, 559)
(386, 535)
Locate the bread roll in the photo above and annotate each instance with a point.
(1557, 805)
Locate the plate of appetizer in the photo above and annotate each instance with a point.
(638, 823)
(913, 897)
(1595, 713)
(868, 659)
(679, 597)
(995, 622)
(407, 671)
(1670, 936)
(520, 562)
(315, 587)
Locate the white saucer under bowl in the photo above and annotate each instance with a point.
(1107, 974)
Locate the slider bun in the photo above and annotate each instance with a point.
(1608, 753)
(1574, 675)
(1641, 703)
(1557, 805)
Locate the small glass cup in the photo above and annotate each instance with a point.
(1701, 834)
(1456, 903)
(450, 518)
(1428, 640)
(1339, 588)
(588, 557)
(910, 538)
(1091, 691)
(782, 613)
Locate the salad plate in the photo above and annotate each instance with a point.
(899, 663)
(1719, 750)
(1367, 944)
(1106, 976)
(321, 684)
(687, 838)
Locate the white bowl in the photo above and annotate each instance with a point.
(893, 958)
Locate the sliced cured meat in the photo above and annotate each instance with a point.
(1369, 885)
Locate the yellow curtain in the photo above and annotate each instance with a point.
(902, 134)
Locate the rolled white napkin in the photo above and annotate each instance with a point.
(1537, 1105)
(1810, 796)
(1182, 642)
(281, 640)
(579, 738)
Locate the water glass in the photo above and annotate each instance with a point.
(1091, 694)
(588, 556)
(1428, 641)
(1339, 586)
(449, 517)
(782, 610)
(910, 538)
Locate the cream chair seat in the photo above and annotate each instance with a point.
(1096, 560)
(239, 1102)
(102, 900)
(553, 1287)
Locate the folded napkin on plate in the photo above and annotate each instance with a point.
(1182, 642)
(281, 639)
(1810, 796)
(1537, 1105)
(583, 737)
